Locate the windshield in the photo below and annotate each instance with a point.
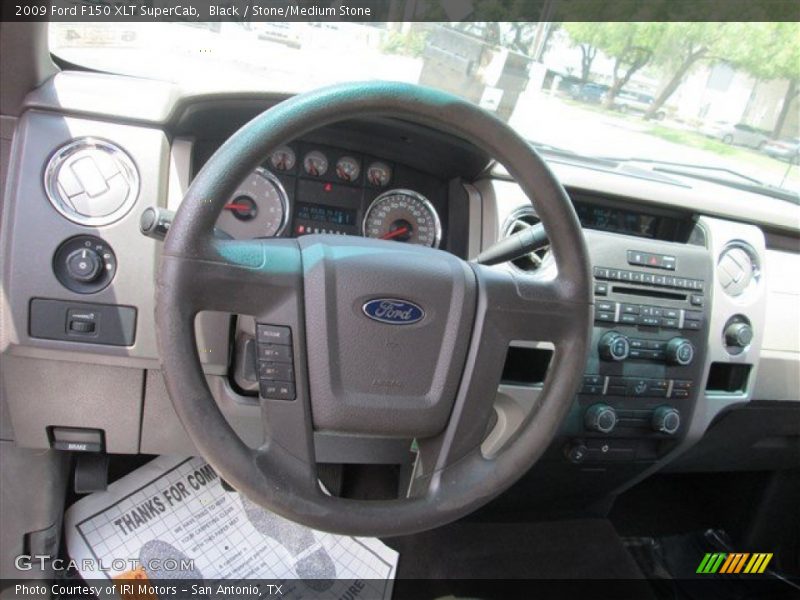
(721, 95)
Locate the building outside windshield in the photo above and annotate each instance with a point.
(718, 95)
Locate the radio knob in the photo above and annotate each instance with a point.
(84, 265)
(680, 351)
(614, 346)
(600, 417)
(739, 335)
(666, 420)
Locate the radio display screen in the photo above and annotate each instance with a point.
(617, 220)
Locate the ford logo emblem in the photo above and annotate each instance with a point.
(393, 311)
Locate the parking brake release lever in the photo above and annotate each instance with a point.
(514, 246)
(155, 223)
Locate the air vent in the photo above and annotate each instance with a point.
(737, 269)
(521, 219)
(91, 182)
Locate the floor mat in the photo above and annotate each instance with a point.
(450, 560)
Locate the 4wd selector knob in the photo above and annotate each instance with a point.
(738, 335)
(666, 419)
(600, 417)
(680, 351)
(84, 265)
(614, 346)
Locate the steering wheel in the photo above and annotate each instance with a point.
(432, 379)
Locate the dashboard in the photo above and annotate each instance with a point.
(695, 298)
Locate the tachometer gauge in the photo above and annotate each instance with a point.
(315, 163)
(258, 208)
(403, 216)
(379, 174)
(347, 168)
(283, 159)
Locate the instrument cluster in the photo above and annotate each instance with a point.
(303, 189)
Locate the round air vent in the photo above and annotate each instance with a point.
(91, 182)
(737, 269)
(520, 219)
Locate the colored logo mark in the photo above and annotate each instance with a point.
(734, 562)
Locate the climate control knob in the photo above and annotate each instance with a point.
(666, 419)
(601, 418)
(680, 351)
(84, 265)
(614, 346)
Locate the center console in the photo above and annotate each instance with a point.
(645, 366)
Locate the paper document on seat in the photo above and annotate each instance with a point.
(172, 520)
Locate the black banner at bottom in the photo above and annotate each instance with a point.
(761, 587)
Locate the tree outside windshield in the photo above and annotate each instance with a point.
(724, 95)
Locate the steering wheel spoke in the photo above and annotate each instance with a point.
(238, 276)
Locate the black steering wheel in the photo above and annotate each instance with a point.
(432, 379)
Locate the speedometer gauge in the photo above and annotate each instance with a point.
(403, 216)
(258, 208)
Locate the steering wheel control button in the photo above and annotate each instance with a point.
(277, 390)
(680, 351)
(274, 334)
(666, 419)
(275, 362)
(84, 264)
(275, 371)
(275, 352)
(601, 418)
(614, 346)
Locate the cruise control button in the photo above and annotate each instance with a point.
(274, 334)
(275, 352)
(277, 390)
(275, 371)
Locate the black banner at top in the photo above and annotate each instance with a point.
(399, 10)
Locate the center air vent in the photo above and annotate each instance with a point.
(521, 219)
(737, 269)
